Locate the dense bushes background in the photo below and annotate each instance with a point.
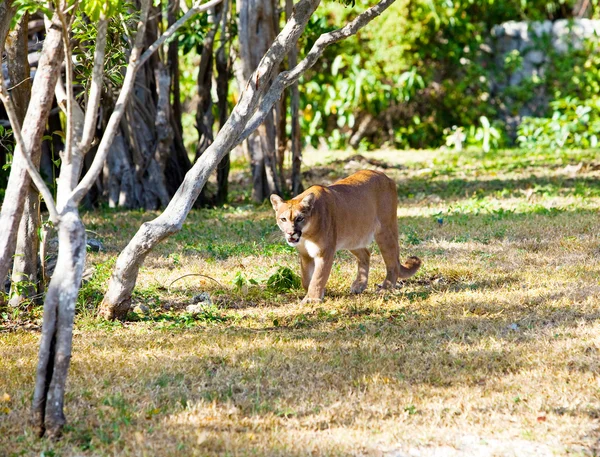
(424, 71)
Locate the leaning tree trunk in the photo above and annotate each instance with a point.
(256, 32)
(25, 266)
(245, 118)
(42, 95)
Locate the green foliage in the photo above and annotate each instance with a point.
(191, 35)
(85, 33)
(574, 124)
(30, 7)
(423, 69)
(96, 8)
(283, 280)
(92, 291)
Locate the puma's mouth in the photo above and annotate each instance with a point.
(293, 240)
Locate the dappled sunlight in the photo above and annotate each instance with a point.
(495, 338)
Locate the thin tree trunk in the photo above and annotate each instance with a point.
(204, 113)
(7, 11)
(25, 266)
(296, 146)
(256, 32)
(57, 328)
(173, 67)
(280, 117)
(223, 67)
(42, 95)
(179, 162)
(246, 115)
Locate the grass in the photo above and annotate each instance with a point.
(492, 349)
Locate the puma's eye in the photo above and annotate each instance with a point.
(299, 219)
(282, 219)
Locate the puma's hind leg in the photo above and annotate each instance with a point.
(362, 276)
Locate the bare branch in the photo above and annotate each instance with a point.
(69, 79)
(287, 78)
(31, 169)
(197, 8)
(91, 110)
(113, 123)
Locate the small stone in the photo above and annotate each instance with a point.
(541, 28)
(203, 297)
(140, 308)
(196, 309)
(535, 57)
(94, 245)
(513, 327)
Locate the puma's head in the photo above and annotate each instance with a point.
(293, 216)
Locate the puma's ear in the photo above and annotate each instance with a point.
(308, 202)
(276, 201)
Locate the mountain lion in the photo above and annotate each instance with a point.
(349, 214)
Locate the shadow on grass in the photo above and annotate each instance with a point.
(299, 371)
(454, 188)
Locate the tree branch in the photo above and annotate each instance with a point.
(91, 110)
(197, 8)
(31, 169)
(287, 78)
(69, 77)
(113, 123)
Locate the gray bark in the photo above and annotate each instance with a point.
(57, 329)
(26, 254)
(42, 95)
(117, 300)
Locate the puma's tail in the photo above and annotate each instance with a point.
(410, 267)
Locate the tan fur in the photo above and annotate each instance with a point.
(346, 215)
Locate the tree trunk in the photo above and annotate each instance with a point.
(57, 328)
(223, 67)
(148, 161)
(7, 11)
(296, 145)
(204, 112)
(42, 95)
(25, 266)
(256, 32)
(178, 163)
(280, 119)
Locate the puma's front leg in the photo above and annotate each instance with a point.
(307, 268)
(322, 269)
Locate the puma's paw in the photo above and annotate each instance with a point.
(358, 287)
(311, 300)
(384, 287)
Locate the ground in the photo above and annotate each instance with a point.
(492, 349)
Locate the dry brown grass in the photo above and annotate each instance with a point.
(492, 349)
